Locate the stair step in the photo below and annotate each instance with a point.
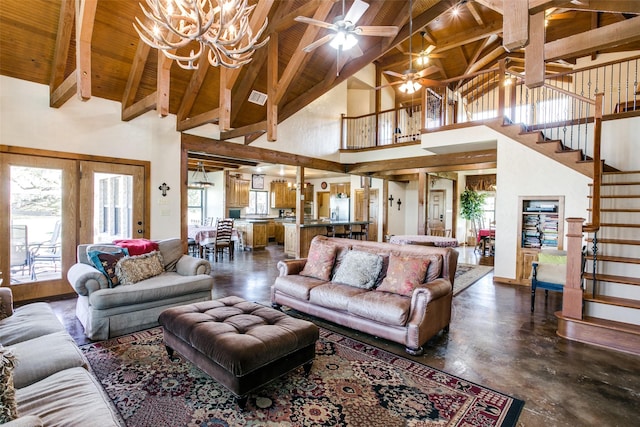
(610, 258)
(616, 241)
(605, 333)
(616, 279)
(618, 302)
(610, 324)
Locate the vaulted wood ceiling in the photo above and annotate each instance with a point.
(38, 43)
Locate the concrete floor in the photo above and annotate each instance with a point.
(494, 340)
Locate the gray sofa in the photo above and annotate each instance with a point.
(410, 318)
(106, 311)
(53, 386)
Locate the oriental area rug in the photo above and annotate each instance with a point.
(350, 384)
(467, 275)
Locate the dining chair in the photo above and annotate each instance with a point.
(222, 241)
(47, 251)
(20, 255)
(362, 233)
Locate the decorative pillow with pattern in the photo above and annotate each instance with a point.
(404, 274)
(106, 263)
(359, 269)
(8, 407)
(319, 261)
(134, 269)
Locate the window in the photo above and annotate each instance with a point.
(489, 209)
(258, 203)
(196, 205)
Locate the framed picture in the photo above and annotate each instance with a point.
(257, 182)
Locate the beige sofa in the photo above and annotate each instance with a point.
(410, 317)
(52, 383)
(106, 311)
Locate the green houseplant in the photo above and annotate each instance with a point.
(471, 207)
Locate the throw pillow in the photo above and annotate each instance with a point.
(404, 274)
(319, 261)
(106, 262)
(8, 407)
(134, 269)
(359, 269)
(3, 312)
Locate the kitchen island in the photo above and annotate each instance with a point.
(308, 231)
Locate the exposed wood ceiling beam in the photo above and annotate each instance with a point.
(475, 34)
(260, 127)
(272, 88)
(65, 91)
(63, 41)
(222, 160)
(598, 39)
(488, 59)
(190, 95)
(621, 6)
(210, 116)
(85, 19)
(163, 84)
(233, 150)
(515, 24)
(474, 12)
(135, 76)
(458, 159)
(145, 105)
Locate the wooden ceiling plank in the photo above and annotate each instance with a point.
(64, 91)
(299, 57)
(475, 34)
(211, 116)
(515, 24)
(287, 20)
(487, 60)
(230, 149)
(163, 83)
(597, 39)
(139, 108)
(272, 89)
(85, 19)
(61, 54)
(135, 74)
(191, 93)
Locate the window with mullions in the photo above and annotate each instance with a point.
(195, 205)
(258, 203)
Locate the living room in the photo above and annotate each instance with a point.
(93, 131)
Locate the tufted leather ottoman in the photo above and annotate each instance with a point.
(240, 344)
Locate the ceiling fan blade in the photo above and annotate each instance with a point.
(426, 71)
(394, 74)
(358, 8)
(319, 42)
(312, 21)
(388, 85)
(429, 49)
(380, 31)
(430, 83)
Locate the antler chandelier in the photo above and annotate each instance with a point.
(220, 27)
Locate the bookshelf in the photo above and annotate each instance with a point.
(540, 226)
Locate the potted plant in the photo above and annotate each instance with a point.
(471, 208)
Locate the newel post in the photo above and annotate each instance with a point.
(572, 294)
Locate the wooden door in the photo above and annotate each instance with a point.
(436, 217)
(37, 224)
(324, 207)
(112, 202)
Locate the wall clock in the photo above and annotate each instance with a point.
(323, 185)
(257, 182)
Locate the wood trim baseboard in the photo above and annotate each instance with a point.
(619, 339)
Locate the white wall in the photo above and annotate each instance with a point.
(94, 128)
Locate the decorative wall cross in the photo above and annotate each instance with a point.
(164, 188)
(390, 200)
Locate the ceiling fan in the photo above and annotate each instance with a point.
(411, 79)
(344, 29)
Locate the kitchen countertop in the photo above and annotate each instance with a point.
(326, 223)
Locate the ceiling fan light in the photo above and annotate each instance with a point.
(422, 59)
(349, 42)
(404, 88)
(416, 86)
(338, 40)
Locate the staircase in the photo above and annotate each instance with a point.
(552, 148)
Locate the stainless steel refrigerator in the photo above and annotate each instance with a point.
(340, 209)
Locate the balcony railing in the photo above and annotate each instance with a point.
(561, 109)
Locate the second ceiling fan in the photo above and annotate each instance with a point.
(344, 29)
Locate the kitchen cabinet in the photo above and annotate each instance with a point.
(238, 191)
(279, 232)
(282, 196)
(342, 188)
(254, 233)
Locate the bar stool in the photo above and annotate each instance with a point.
(331, 231)
(362, 233)
(346, 233)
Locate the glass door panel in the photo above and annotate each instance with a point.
(39, 220)
(111, 202)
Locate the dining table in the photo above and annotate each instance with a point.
(204, 235)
